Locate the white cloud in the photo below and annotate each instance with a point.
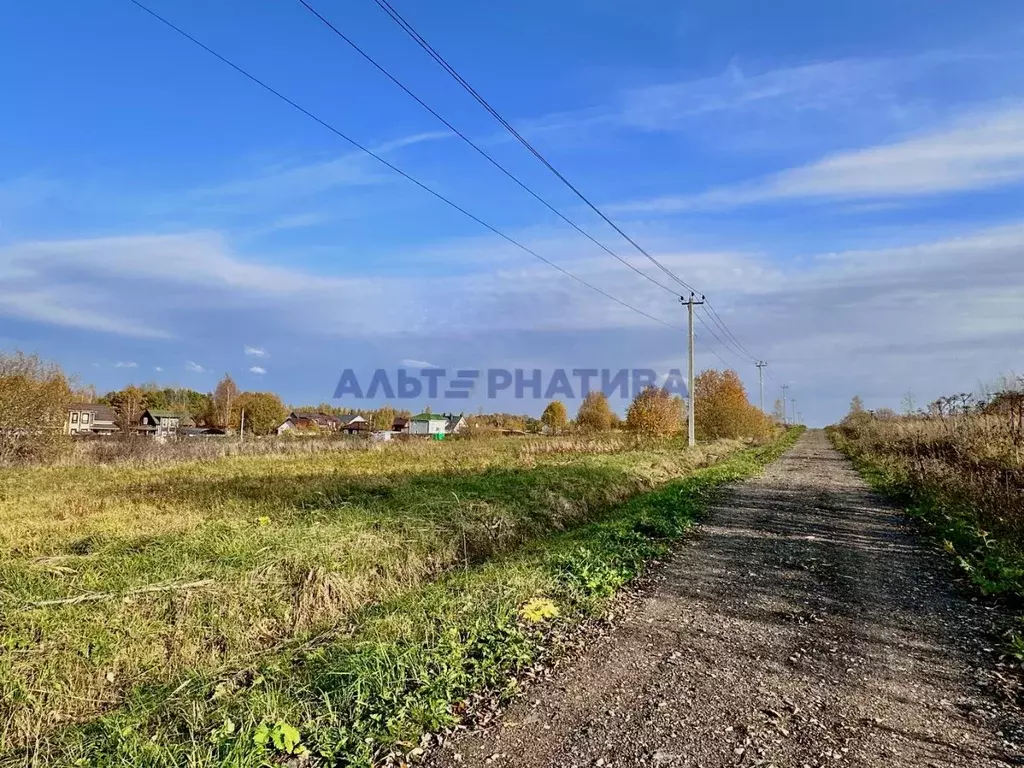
(256, 351)
(157, 368)
(198, 271)
(194, 367)
(128, 364)
(257, 369)
(981, 152)
(408, 363)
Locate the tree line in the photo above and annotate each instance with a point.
(35, 395)
(721, 410)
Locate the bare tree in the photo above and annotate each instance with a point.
(224, 397)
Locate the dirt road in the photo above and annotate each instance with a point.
(802, 626)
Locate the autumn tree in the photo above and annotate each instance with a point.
(264, 412)
(856, 405)
(224, 397)
(594, 413)
(555, 417)
(653, 412)
(34, 399)
(383, 418)
(722, 410)
(129, 403)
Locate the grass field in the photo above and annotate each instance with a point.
(233, 612)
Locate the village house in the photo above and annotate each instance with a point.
(353, 424)
(90, 419)
(437, 424)
(350, 424)
(160, 423)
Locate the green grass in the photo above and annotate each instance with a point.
(353, 602)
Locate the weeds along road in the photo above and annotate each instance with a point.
(803, 626)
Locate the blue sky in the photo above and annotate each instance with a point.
(844, 180)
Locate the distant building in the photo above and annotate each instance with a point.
(436, 424)
(400, 424)
(90, 419)
(351, 424)
(163, 423)
(456, 424)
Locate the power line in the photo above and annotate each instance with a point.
(393, 167)
(409, 30)
(477, 147)
(725, 342)
(395, 16)
(725, 329)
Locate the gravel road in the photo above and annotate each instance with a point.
(802, 626)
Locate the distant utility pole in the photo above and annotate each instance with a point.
(784, 419)
(241, 431)
(690, 304)
(795, 419)
(760, 381)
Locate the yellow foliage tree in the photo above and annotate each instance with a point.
(264, 411)
(722, 410)
(34, 398)
(594, 414)
(653, 412)
(555, 417)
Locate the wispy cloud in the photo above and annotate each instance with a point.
(157, 368)
(288, 182)
(980, 152)
(258, 369)
(128, 364)
(194, 367)
(408, 363)
(256, 351)
(200, 270)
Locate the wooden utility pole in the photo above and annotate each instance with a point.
(690, 433)
(760, 381)
(784, 419)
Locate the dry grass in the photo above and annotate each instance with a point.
(195, 565)
(144, 450)
(973, 461)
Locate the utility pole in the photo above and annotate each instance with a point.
(241, 431)
(784, 419)
(795, 419)
(760, 381)
(690, 434)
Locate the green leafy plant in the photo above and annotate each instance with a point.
(282, 736)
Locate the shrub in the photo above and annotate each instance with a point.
(34, 399)
(594, 413)
(653, 412)
(722, 409)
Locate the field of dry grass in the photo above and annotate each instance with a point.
(116, 577)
